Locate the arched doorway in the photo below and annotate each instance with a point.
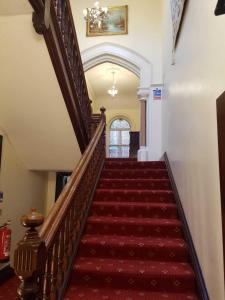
(119, 138)
(141, 67)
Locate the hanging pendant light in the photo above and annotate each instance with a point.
(113, 91)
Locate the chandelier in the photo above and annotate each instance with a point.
(96, 15)
(113, 91)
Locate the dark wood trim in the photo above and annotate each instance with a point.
(181, 22)
(6, 274)
(220, 106)
(54, 246)
(61, 40)
(220, 8)
(71, 262)
(37, 5)
(202, 290)
(1, 138)
(59, 183)
(65, 88)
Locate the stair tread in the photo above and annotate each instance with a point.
(133, 246)
(136, 204)
(134, 268)
(134, 172)
(84, 292)
(135, 180)
(135, 163)
(147, 184)
(134, 191)
(132, 220)
(133, 241)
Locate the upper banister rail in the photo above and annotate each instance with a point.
(43, 260)
(61, 40)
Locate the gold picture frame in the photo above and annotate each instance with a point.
(115, 24)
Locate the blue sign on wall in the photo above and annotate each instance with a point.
(157, 94)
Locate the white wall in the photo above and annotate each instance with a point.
(192, 86)
(32, 109)
(144, 29)
(23, 190)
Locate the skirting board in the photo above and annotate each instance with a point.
(203, 294)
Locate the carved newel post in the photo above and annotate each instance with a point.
(30, 258)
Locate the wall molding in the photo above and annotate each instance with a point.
(202, 290)
(119, 55)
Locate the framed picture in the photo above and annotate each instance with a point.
(115, 24)
(177, 10)
(220, 8)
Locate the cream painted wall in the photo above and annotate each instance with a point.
(192, 86)
(23, 190)
(32, 109)
(144, 34)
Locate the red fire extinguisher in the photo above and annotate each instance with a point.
(5, 242)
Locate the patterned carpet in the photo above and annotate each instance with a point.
(133, 246)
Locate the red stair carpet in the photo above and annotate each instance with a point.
(133, 246)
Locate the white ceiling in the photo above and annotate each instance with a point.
(14, 7)
(100, 78)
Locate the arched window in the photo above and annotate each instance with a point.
(119, 144)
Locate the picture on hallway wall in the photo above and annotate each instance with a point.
(177, 11)
(116, 23)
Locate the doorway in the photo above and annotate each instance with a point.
(119, 138)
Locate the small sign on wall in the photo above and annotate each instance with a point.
(157, 94)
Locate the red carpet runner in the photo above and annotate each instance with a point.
(133, 247)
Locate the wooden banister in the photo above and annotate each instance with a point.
(53, 19)
(43, 261)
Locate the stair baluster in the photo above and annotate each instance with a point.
(43, 260)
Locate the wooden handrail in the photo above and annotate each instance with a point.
(52, 223)
(43, 260)
(57, 27)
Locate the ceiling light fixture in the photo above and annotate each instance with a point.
(113, 91)
(96, 15)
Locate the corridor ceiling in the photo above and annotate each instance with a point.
(100, 79)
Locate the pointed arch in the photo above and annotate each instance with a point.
(122, 56)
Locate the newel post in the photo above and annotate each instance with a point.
(30, 258)
(103, 116)
(102, 110)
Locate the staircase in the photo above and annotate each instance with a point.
(133, 246)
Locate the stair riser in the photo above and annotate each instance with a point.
(135, 230)
(134, 196)
(129, 174)
(132, 252)
(134, 165)
(176, 284)
(135, 184)
(132, 211)
(81, 292)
